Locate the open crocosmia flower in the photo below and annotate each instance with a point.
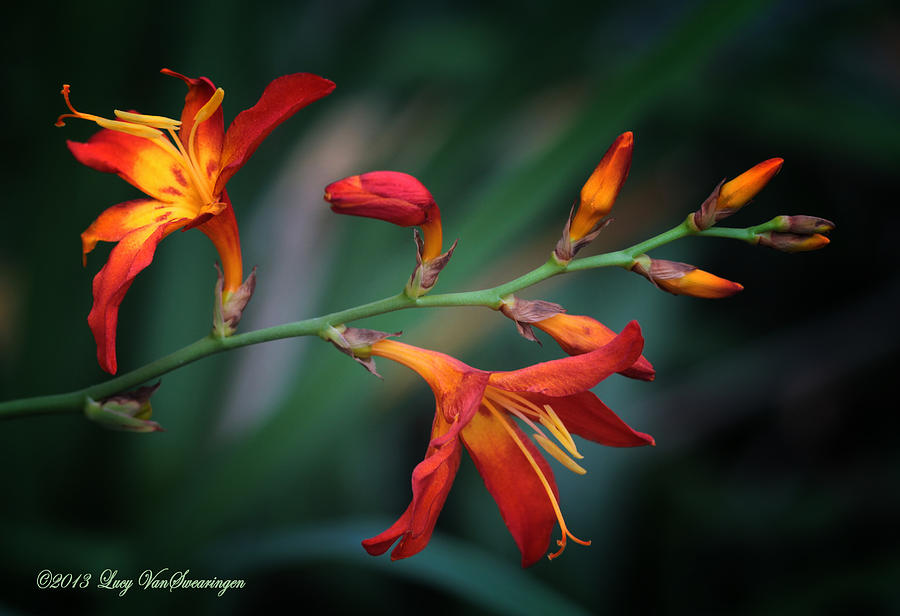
(184, 179)
(478, 409)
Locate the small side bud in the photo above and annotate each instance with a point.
(728, 197)
(684, 279)
(356, 342)
(739, 191)
(597, 198)
(524, 312)
(128, 412)
(793, 242)
(804, 225)
(229, 308)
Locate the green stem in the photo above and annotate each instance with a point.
(491, 298)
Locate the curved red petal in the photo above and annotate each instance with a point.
(571, 375)
(121, 219)
(132, 254)
(210, 133)
(457, 387)
(521, 497)
(578, 334)
(280, 100)
(431, 482)
(140, 162)
(585, 414)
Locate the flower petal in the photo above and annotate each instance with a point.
(210, 133)
(222, 229)
(431, 482)
(521, 497)
(132, 254)
(585, 414)
(457, 387)
(280, 100)
(571, 375)
(578, 334)
(121, 219)
(141, 162)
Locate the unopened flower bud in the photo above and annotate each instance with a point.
(738, 192)
(804, 225)
(728, 197)
(228, 308)
(130, 411)
(793, 242)
(392, 196)
(684, 279)
(387, 195)
(356, 342)
(401, 199)
(525, 312)
(577, 334)
(597, 198)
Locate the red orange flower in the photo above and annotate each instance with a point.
(476, 409)
(184, 179)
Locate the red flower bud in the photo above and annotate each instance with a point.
(600, 191)
(596, 200)
(387, 195)
(396, 197)
(728, 197)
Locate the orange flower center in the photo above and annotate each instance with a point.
(496, 399)
(151, 127)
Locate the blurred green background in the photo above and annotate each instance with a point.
(773, 488)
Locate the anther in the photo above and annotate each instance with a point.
(160, 122)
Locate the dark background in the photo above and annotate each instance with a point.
(773, 488)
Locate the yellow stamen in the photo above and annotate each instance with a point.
(560, 431)
(546, 484)
(193, 168)
(547, 417)
(147, 127)
(148, 120)
(206, 111)
(551, 448)
(137, 130)
(512, 407)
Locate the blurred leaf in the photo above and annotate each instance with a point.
(449, 565)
